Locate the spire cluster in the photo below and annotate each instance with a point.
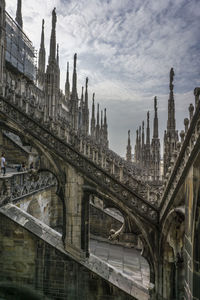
(147, 155)
(68, 105)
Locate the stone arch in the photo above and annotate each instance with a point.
(50, 162)
(46, 205)
(103, 219)
(171, 252)
(148, 253)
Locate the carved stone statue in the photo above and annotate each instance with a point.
(171, 78)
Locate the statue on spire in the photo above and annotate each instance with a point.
(171, 77)
(155, 104)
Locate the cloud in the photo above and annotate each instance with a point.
(126, 48)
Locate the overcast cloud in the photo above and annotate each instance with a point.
(126, 48)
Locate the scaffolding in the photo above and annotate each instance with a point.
(20, 52)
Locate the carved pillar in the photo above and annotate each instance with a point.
(76, 214)
(85, 223)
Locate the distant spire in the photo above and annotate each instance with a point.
(171, 123)
(155, 147)
(86, 109)
(67, 84)
(74, 85)
(82, 97)
(42, 36)
(82, 119)
(92, 128)
(155, 127)
(18, 18)
(86, 92)
(128, 148)
(42, 60)
(97, 126)
(98, 114)
(136, 147)
(148, 131)
(142, 134)
(148, 148)
(105, 126)
(93, 107)
(52, 55)
(171, 136)
(105, 117)
(57, 54)
(101, 119)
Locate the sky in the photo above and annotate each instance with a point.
(126, 48)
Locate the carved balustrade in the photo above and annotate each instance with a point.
(17, 185)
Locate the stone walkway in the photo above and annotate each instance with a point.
(10, 172)
(128, 261)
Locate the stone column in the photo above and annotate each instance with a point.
(76, 210)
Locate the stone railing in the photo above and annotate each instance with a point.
(183, 156)
(57, 138)
(17, 185)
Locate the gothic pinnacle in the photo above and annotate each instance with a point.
(52, 55)
(128, 148)
(142, 134)
(75, 59)
(67, 75)
(105, 117)
(42, 36)
(19, 14)
(74, 86)
(98, 114)
(171, 77)
(148, 131)
(92, 126)
(67, 85)
(171, 123)
(155, 125)
(93, 107)
(86, 93)
(101, 118)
